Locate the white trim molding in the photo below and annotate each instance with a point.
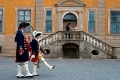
(95, 10)
(79, 3)
(109, 10)
(3, 9)
(69, 12)
(44, 23)
(23, 8)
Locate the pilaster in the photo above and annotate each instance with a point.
(39, 15)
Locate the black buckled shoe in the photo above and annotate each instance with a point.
(29, 76)
(36, 75)
(20, 76)
(53, 67)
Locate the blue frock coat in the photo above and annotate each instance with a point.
(35, 49)
(21, 43)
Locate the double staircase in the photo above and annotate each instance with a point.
(90, 44)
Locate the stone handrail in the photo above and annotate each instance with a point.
(98, 43)
(78, 35)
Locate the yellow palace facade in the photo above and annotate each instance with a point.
(99, 18)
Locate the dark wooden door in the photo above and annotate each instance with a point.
(70, 50)
(70, 53)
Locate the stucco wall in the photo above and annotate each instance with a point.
(10, 13)
(51, 4)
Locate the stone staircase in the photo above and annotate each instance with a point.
(89, 44)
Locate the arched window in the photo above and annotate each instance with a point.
(70, 16)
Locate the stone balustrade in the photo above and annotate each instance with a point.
(78, 35)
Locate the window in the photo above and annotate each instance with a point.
(91, 22)
(24, 16)
(115, 22)
(1, 20)
(70, 16)
(48, 20)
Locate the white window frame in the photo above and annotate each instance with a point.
(45, 9)
(24, 8)
(109, 11)
(95, 11)
(3, 10)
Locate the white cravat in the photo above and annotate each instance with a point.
(36, 39)
(22, 30)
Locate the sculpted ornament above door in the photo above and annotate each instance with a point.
(67, 3)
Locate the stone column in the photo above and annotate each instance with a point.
(80, 21)
(39, 15)
(59, 18)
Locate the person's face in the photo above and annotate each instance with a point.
(29, 39)
(24, 28)
(37, 37)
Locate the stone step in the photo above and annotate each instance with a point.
(9, 40)
(10, 35)
(7, 55)
(9, 43)
(8, 47)
(8, 51)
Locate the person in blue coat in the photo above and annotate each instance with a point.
(22, 55)
(36, 55)
(68, 29)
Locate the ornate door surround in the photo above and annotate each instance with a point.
(76, 8)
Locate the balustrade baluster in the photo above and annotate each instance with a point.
(108, 49)
(88, 38)
(81, 35)
(95, 41)
(100, 45)
(104, 47)
(92, 41)
(85, 37)
(54, 37)
(60, 34)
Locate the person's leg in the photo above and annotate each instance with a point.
(49, 66)
(38, 63)
(34, 69)
(68, 35)
(28, 74)
(19, 74)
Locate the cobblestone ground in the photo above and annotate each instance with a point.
(66, 69)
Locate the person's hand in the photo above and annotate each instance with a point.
(21, 51)
(33, 56)
(47, 51)
(29, 53)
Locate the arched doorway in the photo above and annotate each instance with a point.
(70, 50)
(69, 18)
